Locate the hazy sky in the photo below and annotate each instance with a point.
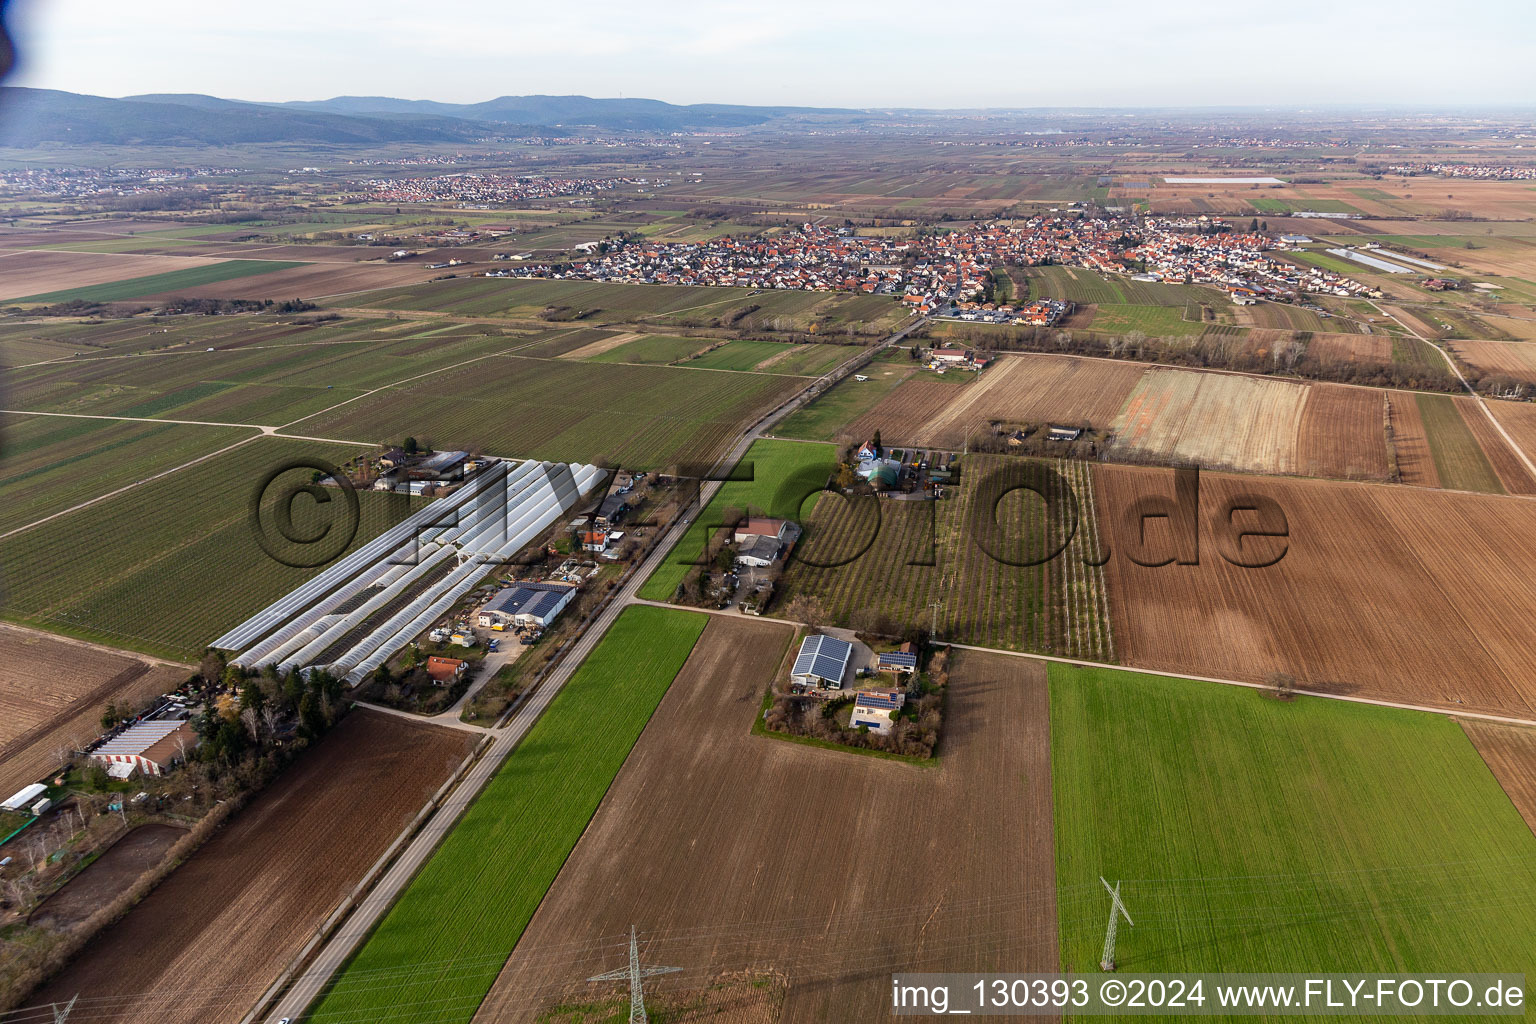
(811, 52)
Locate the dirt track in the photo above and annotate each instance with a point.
(203, 945)
(730, 850)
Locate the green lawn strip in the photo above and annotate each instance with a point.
(737, 355)
(1155, 320)
(847, 400)
(772, 464)
(438, 951)
(192, 277)
(1251, 834)
(1459, 459)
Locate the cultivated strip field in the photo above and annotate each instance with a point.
(604, 345)
(286, 280)
(191, 566)
(201, 273)
(983, 554)
(564, 411)
(1460, 462)
(1018, 388)
(1510, 753)
(797, 880)
(204, 945)
(1507, 466)
(1386, 592)
(1215, 420)
(1259, 835)
(1343, 434)
(1410, 441)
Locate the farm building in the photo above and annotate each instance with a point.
(150, 747)
(445, 670)
(948, 355)
(757, 551)
(442, 466)
(873, 708)
(881, 473)
(775, 529)
(1064, 433)
(821, 663)
(527, 604)
(611, 511)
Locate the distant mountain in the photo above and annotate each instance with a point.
(573, 111)
(29, 117)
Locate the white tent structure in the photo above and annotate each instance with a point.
(449, 542)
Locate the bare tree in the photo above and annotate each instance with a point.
(1282, 683)
(807, 609)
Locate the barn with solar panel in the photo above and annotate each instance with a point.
(821, 663)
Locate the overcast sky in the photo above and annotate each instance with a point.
(999, 53)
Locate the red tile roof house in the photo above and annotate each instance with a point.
(445, 670)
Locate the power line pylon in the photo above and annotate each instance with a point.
(60, 1016)
(634, 973)
(1116, 908)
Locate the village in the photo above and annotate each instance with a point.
(936, 272)
(479, 188)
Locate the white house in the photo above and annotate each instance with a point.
(875, 707)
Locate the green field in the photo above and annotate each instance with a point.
(244, 383)
(1459, 459)
(772, 463)
(1159, 321)
(436, 954)
(598, 303)
(568, 410)
(657, 349)
(1319, 258)
(50, 463)
(738, 355)
(168, 566)
(847, 400)
(154, 284)
(1078, 284)
(1257, 835)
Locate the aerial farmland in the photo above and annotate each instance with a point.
(564, 560)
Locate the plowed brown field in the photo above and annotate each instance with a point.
(833, 869)
(1343, 434)
(1025, 388)
(1515, 358)
(37, 272)
(1510, 753)
(1519, 418)
(1389, 592)
(311, 282)
(204, 945)
(1220, 420)
(1415, 465)
(1339, 349)
(1511, 471)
